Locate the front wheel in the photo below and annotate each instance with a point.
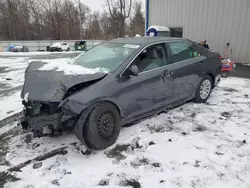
(102, 127)
(203, 90)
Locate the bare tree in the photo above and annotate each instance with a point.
(137, 21)
(65, 19)
(53, 15)
(94, 29)
(119, 11)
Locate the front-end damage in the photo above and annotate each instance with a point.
(48, 109)
(46, 118)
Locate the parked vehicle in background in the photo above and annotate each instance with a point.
(127, 79)
(20, 49)
(80, 45)
(17, 48)
(10, 47)
(59, 47)
(227, 66)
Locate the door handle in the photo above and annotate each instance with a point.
(169, 74)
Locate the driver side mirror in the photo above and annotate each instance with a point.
(133, 70)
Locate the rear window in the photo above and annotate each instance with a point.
(182, 51)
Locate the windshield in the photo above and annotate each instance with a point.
(106, 56)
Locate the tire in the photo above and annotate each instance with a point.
(60, 50)
(68, 49)
(224, 74)
(97, 134)
(203, 90)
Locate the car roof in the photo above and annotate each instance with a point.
(143, 40)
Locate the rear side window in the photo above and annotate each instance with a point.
(64, 43)
(182, 51)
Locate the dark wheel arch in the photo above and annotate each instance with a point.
(212, 78)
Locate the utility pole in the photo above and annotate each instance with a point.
(80, 19)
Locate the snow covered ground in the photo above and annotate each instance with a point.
(193, 146)
(28, 54)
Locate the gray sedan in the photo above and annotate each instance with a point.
(137, 78)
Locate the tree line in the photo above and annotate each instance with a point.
(68, 20)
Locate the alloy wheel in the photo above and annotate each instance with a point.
(205, 89)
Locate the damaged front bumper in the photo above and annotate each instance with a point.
(44, 118)
(42, 124)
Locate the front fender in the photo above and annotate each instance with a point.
(79, 127)
(78, 107)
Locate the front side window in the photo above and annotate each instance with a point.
(106, 56)
(182, 51)
(151, 58)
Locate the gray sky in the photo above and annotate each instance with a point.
(97, 5)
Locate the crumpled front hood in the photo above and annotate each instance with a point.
(51, 86)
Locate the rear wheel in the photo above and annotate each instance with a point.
(224, 74)
(102, 127)
(60, 49)
(204, 90)
(68, 49)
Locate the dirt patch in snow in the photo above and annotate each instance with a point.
(228, 89)
(118, 152)
(7, 177)
(130, 182)
(4, 140)
(200, 128)
(104, 182)
(226, 114)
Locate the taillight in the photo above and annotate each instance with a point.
(220, 57)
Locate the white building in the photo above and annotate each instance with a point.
(217, 21)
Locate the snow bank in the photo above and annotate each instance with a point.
(33, 53)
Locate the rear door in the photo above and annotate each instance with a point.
(151, 89)
(186, 67)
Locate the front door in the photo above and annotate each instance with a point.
(187, 69)
(151, 89)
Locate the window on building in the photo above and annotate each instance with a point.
(182, 51)
(176, 32)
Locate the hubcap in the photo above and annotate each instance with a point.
(205, 89)
(106, 125)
